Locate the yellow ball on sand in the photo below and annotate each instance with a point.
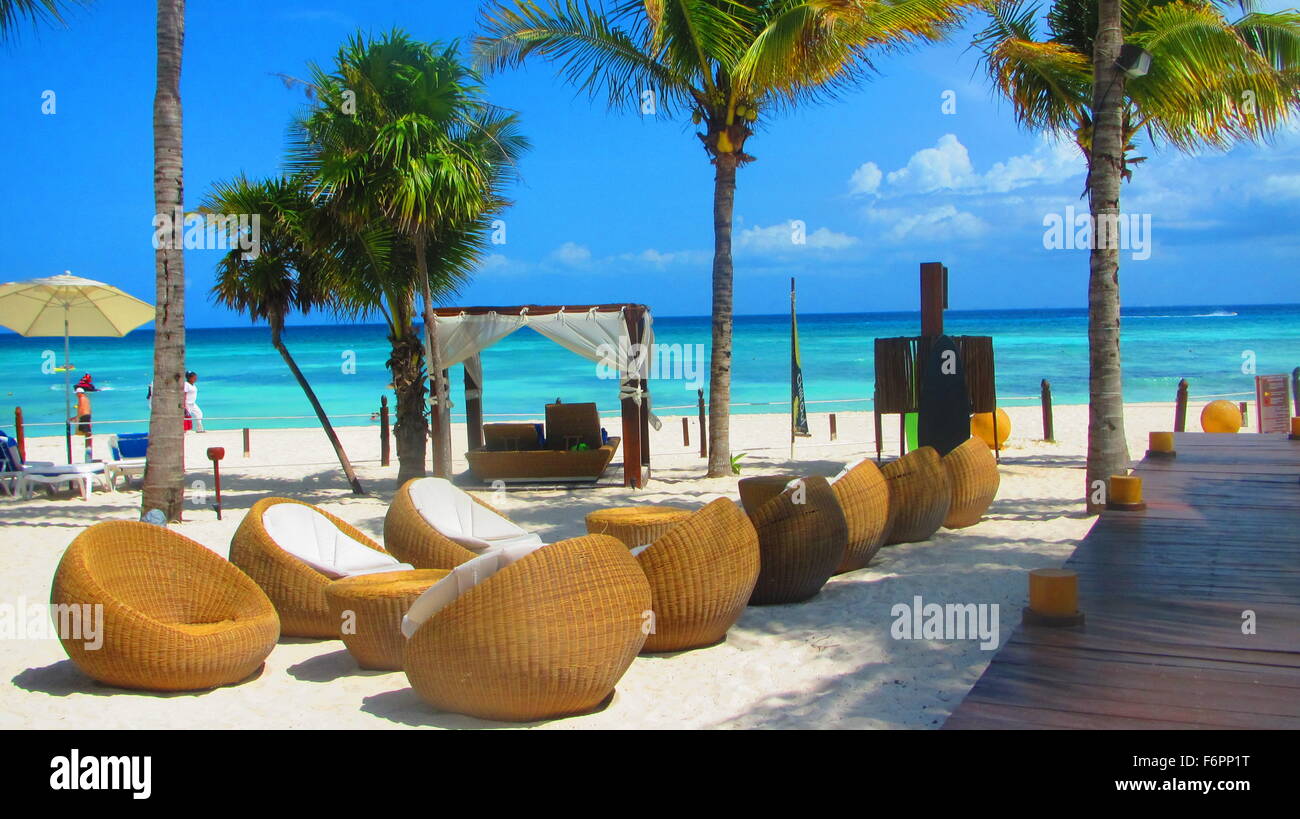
(981, 426)
(1220, 416)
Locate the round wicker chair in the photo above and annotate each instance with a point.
(801, 537)
(701, 573)
(973, 471)
(863, 494)
(411, 539)
(919, 496)
(547, 636)
(176, 617)
(296, 589)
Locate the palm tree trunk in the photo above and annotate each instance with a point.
(410, 430)
(439, 415)
(724, 200)
(318, 409)
(164, 476)
(1107, 446)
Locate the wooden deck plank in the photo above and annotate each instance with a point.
(1164, 590)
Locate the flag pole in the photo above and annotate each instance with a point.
(793, 359)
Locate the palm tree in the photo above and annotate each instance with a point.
(730, 64)
(402, 134)
(12, 12)
(164, 476)
(1212, 82)
(288, 273)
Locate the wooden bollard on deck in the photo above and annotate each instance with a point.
(1053, 598)
(1160, 445)
(1125, 494)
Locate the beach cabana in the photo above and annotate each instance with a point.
(617, 336)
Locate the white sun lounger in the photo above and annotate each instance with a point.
(83, 474)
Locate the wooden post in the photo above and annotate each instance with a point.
(632, 429)
(833, 433)
(22, 438)
(686, 431)
(934, 297)
(1244, 408)
(875, 418)
(473, 405)
(1180, 407)
(704, 427)
(1295, 390)
(383, 431)
(1049, 432)
(246, 443)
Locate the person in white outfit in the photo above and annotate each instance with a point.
(191, 400)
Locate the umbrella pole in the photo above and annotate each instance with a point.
(67, 387)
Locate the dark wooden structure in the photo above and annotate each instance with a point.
(899, 362)
(1164, 592)
(636, 416)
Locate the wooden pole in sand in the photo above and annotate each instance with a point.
(383, 430)
(1049, 433)
(247, 443)
(1295, 390)
(1180, 407)
(686, 431)
(704, 435)
(833, 431)
(20, 435)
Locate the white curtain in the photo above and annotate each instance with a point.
(599, 336)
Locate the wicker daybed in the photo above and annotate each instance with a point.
(296, 588)
(701, 574)
(176, 616)
(863, 494)
(973, 471)
(549, 635)
(801, 537)
(919, 496)
(573, 450)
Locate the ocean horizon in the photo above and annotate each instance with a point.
(244, 382)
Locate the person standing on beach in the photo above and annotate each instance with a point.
(191, 400)
(83, 419)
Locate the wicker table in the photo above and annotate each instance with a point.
(378, 602)
(758, 490)
(635, 525)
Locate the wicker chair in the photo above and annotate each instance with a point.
(413, 539)
(701, 573)
(176, 617)
(801, 537)
(973, 471)
(863, 494)
(296, 588)
(546, 636)
(919, 496)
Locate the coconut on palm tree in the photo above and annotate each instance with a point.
(402, 135)
(1212, 81)
(164, 474)
(289, 273)
(729, 65)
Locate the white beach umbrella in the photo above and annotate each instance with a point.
(69, 306)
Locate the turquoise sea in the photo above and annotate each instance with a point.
(243, 381)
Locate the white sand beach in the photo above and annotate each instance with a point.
(826, 663)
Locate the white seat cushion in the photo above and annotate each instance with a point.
(639, 549)
(305, 533)
(455, 514)
(462, 578)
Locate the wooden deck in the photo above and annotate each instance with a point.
(1163, 592)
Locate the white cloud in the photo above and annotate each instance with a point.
(572, 254)
(865, 179)
(791, 236)
(936, 224)
(946, 166)
(1282, 186)
(660, 259)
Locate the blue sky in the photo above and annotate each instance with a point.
(615, 207)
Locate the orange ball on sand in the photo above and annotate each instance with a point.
(1220, 416)
(981, 426)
